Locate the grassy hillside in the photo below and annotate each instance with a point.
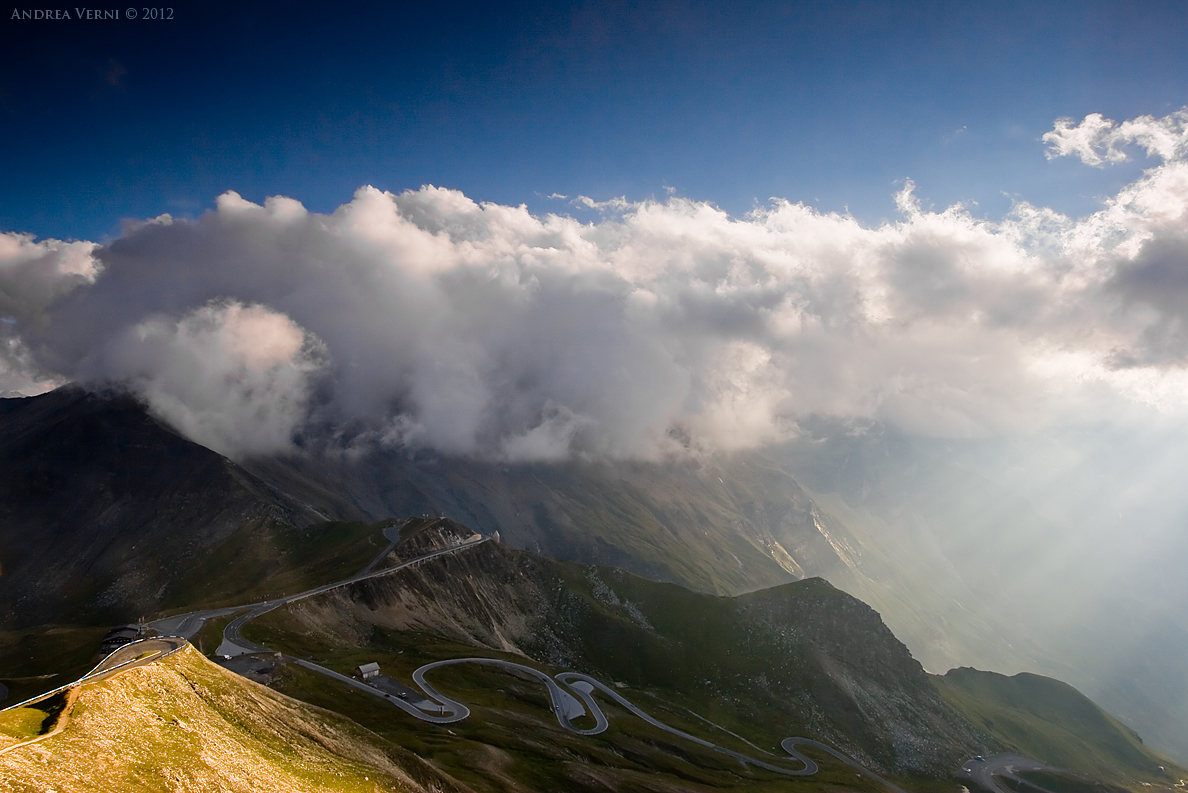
(1053, 722)
(184, 724)
(798, 659)
(254, 563)
(513, 743)
(20, 724)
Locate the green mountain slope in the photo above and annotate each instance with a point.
(1053, 722)
(105, 514)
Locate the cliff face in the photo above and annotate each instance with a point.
(102, 508)
(800, 659)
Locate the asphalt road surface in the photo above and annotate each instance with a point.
(392, 535)
(145, 651)
(982, 771)
(789, 745)
(565, 706)
(186, 625)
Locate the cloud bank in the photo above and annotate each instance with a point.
(427, 320)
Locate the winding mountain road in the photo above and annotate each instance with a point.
(577, 702)
(571, 693)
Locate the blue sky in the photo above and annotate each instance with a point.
(833, 104)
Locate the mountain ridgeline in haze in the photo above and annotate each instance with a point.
(1066, 591)
(106, 513)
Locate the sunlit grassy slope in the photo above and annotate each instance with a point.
(20, 724)
(184, 724)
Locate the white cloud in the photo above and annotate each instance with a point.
(232, 377)
(34, 273)
(1098, 140)
(19, 375)
(430, 320)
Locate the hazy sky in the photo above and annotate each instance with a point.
(833, 104)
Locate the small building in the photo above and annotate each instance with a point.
(120, 635)
(367, 671)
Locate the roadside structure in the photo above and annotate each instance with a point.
(119, 636)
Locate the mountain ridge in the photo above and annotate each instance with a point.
(100, 503)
